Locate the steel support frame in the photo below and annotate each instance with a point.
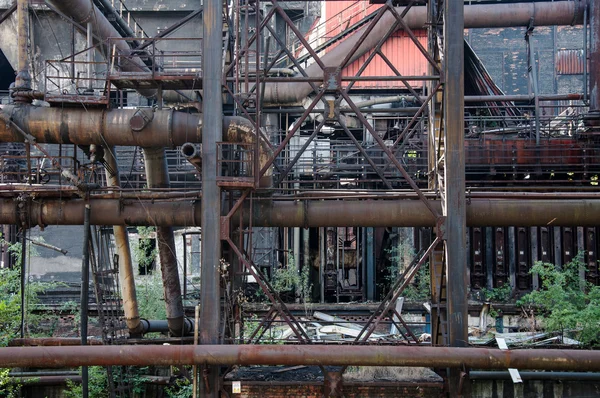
(454, 199)
(212, 106)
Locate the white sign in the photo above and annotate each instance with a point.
(236, 387)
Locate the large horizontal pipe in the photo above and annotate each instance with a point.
(144, 127)
(476, 16)
(332, 213)
(441, 357)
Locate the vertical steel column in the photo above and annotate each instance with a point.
(212, 106)
(370, 264)
(126, 274)
(594, 77)
(455, 231)
(85, 293)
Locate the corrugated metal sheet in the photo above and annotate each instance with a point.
(569, 62)
(342, 14)
(400, 50)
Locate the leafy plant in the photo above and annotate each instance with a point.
(420, 287)
(567, 303)
(97, 384)
(151, 297)
(500, 294)
(145, 251)
(290, 278)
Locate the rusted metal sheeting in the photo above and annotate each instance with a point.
(402, 53)
(475, 16)
(129, 355)
(373, 213)
(569, 62)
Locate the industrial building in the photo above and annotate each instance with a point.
(314, 186)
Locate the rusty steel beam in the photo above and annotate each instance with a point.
(441, 357)
(375, 213)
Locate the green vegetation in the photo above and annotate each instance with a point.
(10, 309)
(568, 304)
(291, 279)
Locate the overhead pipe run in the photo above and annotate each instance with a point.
(84, 12)
(311, 213)
(475, 16)
(334, 355)
(143, 127)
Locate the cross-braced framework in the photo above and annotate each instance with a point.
(255, 81)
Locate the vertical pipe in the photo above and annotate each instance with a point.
(594, 78)
(23, 79)
(370, 264)
(126, 273)
(212, 106)
(306, 264)
(585, 53)
(85, 294)
(297, 263)
(158, 177)
(23, 280)
(322, 242)
(455, 224)
(195, 368)
(90, 56)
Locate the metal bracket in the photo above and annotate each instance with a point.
(224, 228)
(140, 119)
(440, 227)
(332, 79)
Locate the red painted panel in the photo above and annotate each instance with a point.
(400, 49)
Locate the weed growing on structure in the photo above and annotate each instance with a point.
(151, 296)
(500, 294)
(97, 384)
(568, 304)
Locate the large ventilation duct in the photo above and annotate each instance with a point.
(143, 127)
(481, 212)
(476, 16)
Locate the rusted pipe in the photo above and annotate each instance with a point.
(126, 274)
(23, 78)
(51, 341)
(440, 357)
(193, 155)
(158, 177)
(143, 127)
(367, 213)
(43, 380)
(84, 12)
(476, 16)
